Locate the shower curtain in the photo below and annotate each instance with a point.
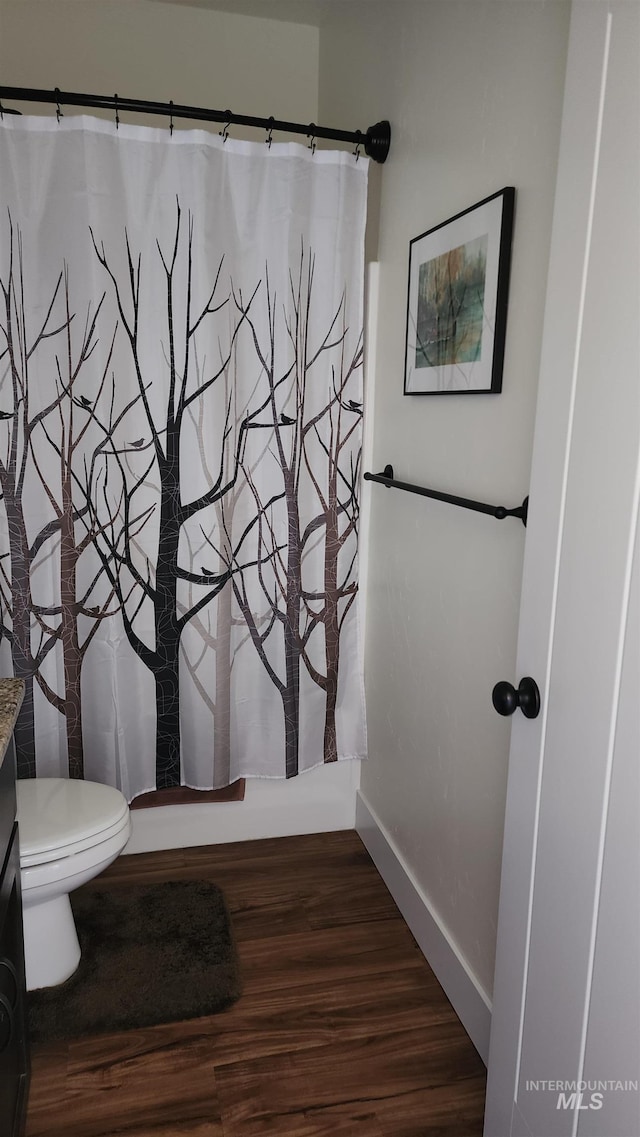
(180, 452)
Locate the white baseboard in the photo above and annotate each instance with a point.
(466, 995)
(319, 801)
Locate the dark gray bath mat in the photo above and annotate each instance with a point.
(151, 954)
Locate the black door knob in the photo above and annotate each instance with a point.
(506, 699)
(6, 1024)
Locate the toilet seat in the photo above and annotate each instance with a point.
(58, 818)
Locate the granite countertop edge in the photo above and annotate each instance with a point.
(11, 696)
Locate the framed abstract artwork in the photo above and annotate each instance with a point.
(457, 301)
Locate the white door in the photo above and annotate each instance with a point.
(565, 1043)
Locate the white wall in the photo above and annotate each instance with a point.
(146, 50)
(473, 90)
(142, 49)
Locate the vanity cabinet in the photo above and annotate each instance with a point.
(14, 1054)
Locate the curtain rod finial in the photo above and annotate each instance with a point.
(378, 140)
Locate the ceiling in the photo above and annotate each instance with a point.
(310, 12)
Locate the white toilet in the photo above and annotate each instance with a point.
(68, 832)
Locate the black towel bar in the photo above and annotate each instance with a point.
(387, 479)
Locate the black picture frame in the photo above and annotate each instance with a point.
(457, 300)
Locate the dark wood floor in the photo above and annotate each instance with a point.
(341, 1031)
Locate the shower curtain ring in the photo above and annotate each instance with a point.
(115, 103)
(59, 113)
(171, 117)
(224, 134)
(312, 131)
(269, 138)
(358, 147)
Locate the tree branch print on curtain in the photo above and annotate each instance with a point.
(159, 451)
(294, 414)
(215, 625)
(180, 455)
(34, 628)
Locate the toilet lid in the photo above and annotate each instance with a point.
(56, 813)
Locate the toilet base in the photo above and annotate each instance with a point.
(51, 948)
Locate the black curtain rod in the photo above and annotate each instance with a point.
(375, 141)
(386, 478)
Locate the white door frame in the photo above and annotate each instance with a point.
(575, 203)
